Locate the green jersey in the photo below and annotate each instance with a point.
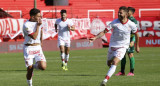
(135, 21)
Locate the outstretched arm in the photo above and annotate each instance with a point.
(98, 36)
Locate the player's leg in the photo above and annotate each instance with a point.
(132, 64)
(29, 64)
(123, 63)
(40, 59)
(114, 55)
(29, 75)
(62, 51)
(67, 49)
(132, 61)
(40, 65)
(111, 70)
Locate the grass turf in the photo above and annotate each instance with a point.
(86, 68)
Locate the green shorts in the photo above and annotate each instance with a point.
(130, 50)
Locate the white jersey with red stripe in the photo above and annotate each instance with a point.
(28, 29)
(63, 30)
(121, 33)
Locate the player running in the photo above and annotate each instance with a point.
(120, 39)
(63, 26)
(130, 50)
(32, 50)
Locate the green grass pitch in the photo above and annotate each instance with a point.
(86, 68)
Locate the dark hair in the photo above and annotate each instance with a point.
(63, 11)
(131, 9)
(124, 8)
(34, 12)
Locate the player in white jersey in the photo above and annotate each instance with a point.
(32, 50)
(63, 26)
(120, 39)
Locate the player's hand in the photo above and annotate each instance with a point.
(131, 44)
(92, 39)
(137, 49)
(39, 22)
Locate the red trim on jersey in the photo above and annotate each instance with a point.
(106, 29)
(125, 22)
(107, 77)
(30, 34)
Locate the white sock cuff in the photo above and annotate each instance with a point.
(113, 66)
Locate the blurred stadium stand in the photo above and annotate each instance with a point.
(78, 8)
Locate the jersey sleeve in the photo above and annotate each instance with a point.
(56, 21)
(71, 23)
(27, 30)
(108, 27)
(133, 28)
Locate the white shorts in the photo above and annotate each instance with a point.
(116, 52)
(63, 42)
(33, 52)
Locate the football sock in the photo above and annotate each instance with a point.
(123, 63)
(111, 70)
(66, 58)
(62, 57)
(29, 82)
(132, 63)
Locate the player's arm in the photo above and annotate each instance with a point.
(98, 36)
(35, 34)
(56, 27)
(137, 42)
(72, 28)
(132, 41)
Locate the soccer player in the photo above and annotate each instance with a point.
(32, 50)
(130, 50)
(63, 26)
(120, 39)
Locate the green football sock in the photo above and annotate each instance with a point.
(123, 63)
(132, 63)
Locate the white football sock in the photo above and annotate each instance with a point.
(62, 57)
(111, 70)
(66, 58)
(29, 82)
